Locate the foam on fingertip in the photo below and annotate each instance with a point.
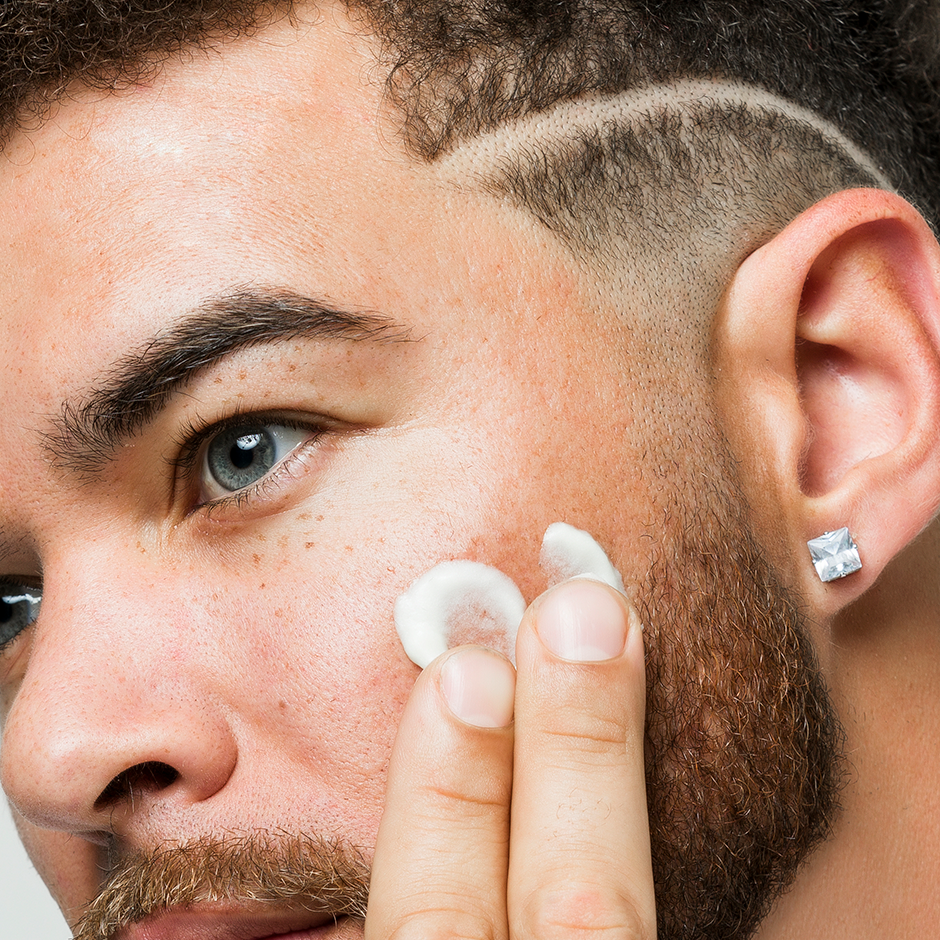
(568, 552)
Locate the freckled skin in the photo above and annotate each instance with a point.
(186, 200)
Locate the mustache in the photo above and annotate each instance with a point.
(299, 870)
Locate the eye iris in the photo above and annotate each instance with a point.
(17, 612)
(241, 456)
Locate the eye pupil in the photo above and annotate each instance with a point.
(17, 611)
(239, 455)
(243, 453)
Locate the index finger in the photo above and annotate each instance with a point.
(442, 848)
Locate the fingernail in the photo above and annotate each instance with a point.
(479, 687)
(583, 622)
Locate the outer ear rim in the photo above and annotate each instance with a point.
(758, 397)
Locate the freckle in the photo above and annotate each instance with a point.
(282, 705)
(261, 587)
(349, 548)
(242, 375)
(262, 538)
(141, 549)
(256, 559)
(304, 516)
(292, 368)
(309, 544)
(218, 380)
(279, 612)
(319, 518)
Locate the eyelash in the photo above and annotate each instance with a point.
(196, 435)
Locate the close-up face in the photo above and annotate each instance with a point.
(251, 619)
(262, 369)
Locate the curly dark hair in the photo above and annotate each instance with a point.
(461, 66)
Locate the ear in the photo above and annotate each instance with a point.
(828, 381)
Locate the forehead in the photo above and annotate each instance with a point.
(273, 160)
(239, 139)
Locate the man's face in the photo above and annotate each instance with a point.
(248, 641)
(445, 394)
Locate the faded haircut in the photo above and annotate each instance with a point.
(664, 198)
(458, 68)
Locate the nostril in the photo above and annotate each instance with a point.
(148, 777)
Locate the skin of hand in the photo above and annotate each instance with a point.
(516, 801)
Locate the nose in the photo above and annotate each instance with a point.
(117, 726)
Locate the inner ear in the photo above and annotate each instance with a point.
(856, 407)
(859, 346)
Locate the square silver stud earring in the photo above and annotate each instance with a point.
(834, 554)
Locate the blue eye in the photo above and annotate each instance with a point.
(19, 607)
(241, 455)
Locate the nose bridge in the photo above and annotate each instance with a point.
(117, 712)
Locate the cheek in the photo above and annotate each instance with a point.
(305, 657)
(68, 865)
(309, 655)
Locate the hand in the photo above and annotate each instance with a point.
(528, 830)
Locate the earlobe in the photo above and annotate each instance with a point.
(828, 353)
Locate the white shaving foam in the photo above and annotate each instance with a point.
(568, 552)
(446, 596)
(460, 592)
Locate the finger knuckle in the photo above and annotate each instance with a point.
(484, 801)
(584, 912)
(444, 924)
(594, 733)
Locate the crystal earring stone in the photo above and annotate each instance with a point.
(834, 554)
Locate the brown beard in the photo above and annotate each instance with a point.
(744, 750)
(743, 761)
(292, 870)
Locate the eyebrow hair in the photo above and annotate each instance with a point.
(87, 432)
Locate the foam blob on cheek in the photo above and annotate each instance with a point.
(458, 594)
(450, 594)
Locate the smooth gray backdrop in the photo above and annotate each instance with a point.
(27, 912)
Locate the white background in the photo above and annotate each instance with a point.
(27, 912)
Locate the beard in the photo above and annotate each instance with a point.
(743, 759)
(743, 746)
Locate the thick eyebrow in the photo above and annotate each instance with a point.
(87, 432)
